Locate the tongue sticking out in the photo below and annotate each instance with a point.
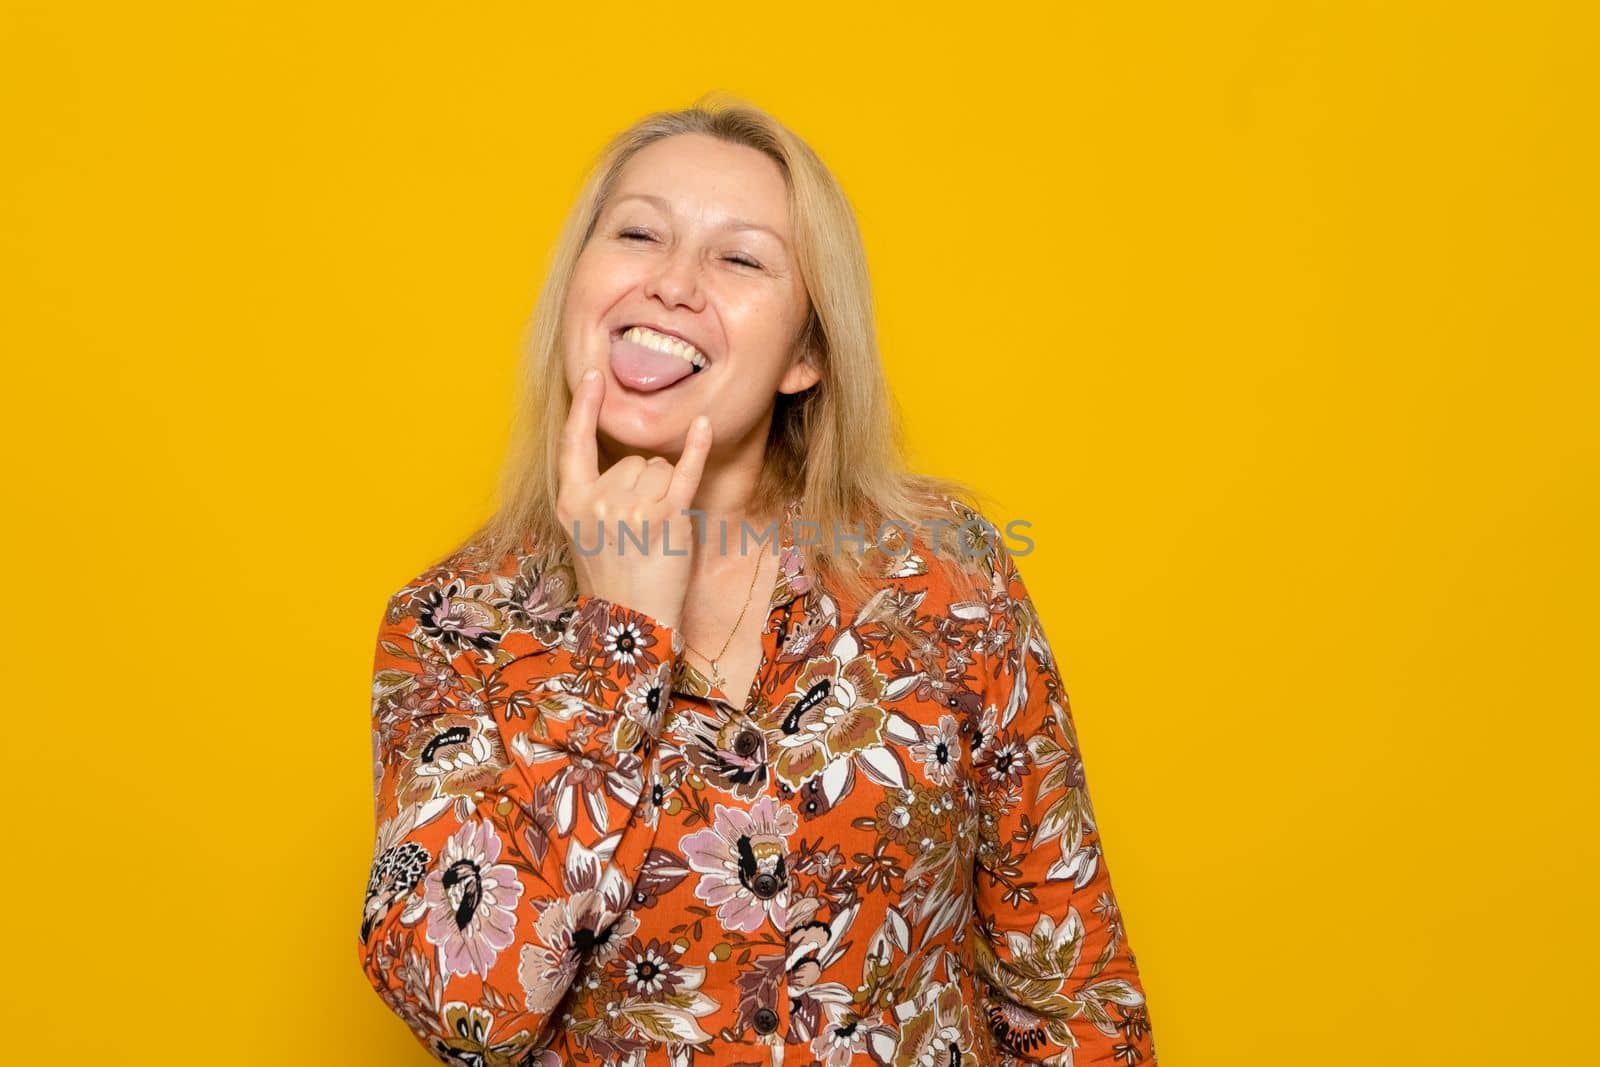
(645, 369)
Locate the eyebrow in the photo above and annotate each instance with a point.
(732, 224)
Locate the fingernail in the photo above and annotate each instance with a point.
(591, 374)
(701, 423)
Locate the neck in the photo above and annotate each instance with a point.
(725, 504)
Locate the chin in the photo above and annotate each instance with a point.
(654, 440)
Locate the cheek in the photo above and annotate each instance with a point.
(764, 329)
(598, 281)
(582, 297)
(595, 289)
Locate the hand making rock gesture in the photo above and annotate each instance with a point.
(650, 498)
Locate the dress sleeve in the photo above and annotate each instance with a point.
(1056, 976)
(512, 810)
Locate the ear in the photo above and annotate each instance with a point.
(805, 370)
(802, 374)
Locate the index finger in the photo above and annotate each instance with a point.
(580, 460)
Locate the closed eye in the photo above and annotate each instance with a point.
(645, 235)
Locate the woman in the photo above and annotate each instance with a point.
(696, 801)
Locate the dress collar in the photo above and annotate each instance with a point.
(793, 578)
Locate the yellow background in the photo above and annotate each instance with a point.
(1276, 320)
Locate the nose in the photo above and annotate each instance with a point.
(677, 280)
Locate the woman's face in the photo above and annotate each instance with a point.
(695, 241)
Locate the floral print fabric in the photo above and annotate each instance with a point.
(587, 854)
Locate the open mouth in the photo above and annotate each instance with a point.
(647, 360)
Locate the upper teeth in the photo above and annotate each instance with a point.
(660, 342)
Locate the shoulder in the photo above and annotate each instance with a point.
(472, 596)
(943, 545)
(966, 535)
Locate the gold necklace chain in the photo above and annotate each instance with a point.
(717, 678)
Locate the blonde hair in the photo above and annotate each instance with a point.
(838, 445)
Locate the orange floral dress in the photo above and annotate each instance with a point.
(886, 854)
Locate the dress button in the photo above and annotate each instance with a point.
(747, 743)
(766, 1020)
(764, 885)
